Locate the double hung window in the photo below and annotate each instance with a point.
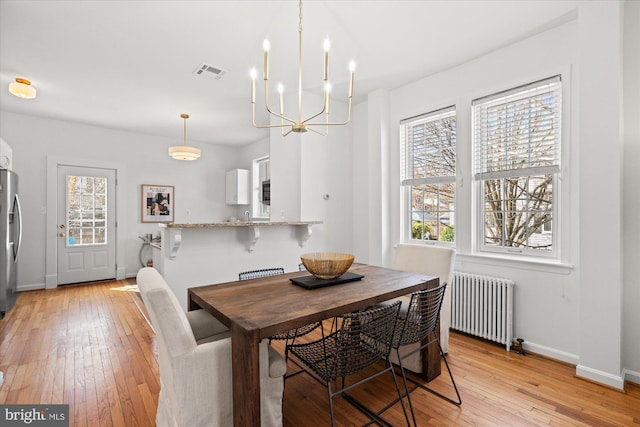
(429, 174)
(516, 143)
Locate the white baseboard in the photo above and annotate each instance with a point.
(552, 353)
(581, 371)
(31, 287)
(51, 281)
(606, 378)
(631, 376)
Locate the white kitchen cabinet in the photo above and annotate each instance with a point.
(237, 187)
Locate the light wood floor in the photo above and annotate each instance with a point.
(89, 346)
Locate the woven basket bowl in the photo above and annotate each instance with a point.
(327, 265)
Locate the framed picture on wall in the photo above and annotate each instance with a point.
(158, 203)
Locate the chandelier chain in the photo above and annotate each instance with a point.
(300, 17)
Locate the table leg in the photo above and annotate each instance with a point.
(430, 360)
(245, 352)
(431, 354)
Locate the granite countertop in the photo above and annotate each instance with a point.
(239, 224)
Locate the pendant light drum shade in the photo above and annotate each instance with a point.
(22, 89)
(184, 151)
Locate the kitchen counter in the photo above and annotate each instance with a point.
(215, 252)
(239, 224)
(174, 231)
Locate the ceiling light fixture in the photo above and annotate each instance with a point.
(300, 125)
(22, 89)
(184, 151)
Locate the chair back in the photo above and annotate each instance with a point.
(433, 261)
(265, 272)
(421, 317)
(364, 338)
(167, 317)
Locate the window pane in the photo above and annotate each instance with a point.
(429, 159)
(516, 143)
(432, 212)
(100, 201)
(519, 129)
(86, 210)
(74, 234)
(87, 236)
(518, 212)
(100, 236)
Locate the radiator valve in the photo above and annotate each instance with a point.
(517, 346)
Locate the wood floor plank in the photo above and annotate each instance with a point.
(90, 346)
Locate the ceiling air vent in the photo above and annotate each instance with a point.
(209, 70)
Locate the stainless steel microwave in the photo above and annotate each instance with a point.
(266, 192)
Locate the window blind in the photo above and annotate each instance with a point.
(517, 132)
(428, 146)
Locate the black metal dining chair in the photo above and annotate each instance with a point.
(415, 325)
(289, 336)
(265, 272)
(362, 339)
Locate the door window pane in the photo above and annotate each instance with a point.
(86, 210)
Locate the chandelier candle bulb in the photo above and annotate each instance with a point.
(352, 69)
(327, 46)
(266, 45)
(253, 85)
(281, 93)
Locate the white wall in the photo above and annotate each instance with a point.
(631, 194)
(600, 153)
(199, 188)
(570, 310)
(199, 185)
(545, 296)
(360, 217)
(306, 167)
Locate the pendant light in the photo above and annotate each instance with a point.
(184, 151)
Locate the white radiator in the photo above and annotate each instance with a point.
(483, 306)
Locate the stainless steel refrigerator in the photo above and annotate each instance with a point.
(10, 239)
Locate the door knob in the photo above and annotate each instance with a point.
(61, 234)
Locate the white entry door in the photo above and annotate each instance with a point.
(86, 224)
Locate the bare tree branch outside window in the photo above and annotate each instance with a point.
(521, 140)
(431, 158)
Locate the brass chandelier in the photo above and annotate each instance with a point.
(298, 125)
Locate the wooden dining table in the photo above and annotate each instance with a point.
(259, 308)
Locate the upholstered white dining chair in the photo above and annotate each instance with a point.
(433, 261)
(194, 354)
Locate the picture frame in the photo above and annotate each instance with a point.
(157, 203)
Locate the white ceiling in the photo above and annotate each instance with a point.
(129, 64)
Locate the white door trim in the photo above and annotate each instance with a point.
(51, 256)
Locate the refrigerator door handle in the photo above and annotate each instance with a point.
(19, 212)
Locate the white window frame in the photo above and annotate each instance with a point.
(408, 182)
(555, 170)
